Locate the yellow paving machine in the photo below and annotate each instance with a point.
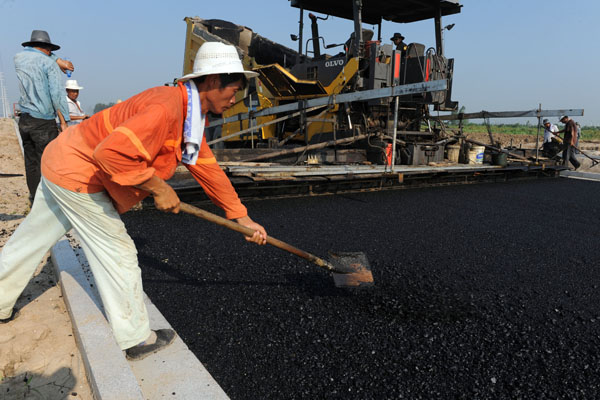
(259, 125)
(365, 114)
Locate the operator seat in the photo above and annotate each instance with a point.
(415, 50)
(367, 35)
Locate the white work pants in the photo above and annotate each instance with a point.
(111, 254)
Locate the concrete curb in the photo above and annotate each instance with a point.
(107, 370)
(174, 372)
(590, 176)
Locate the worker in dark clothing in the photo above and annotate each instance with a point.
(569, 140)
(398, 40)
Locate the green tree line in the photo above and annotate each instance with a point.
(587, 132)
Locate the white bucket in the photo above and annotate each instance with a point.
(453, 152)
(476, 155)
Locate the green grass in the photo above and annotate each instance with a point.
(588, 132)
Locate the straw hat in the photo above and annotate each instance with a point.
(217, 58)
(72, 84)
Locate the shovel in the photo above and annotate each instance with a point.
(349, 269)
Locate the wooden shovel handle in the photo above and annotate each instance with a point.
(234, 226)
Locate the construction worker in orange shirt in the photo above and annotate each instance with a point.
(96, 170)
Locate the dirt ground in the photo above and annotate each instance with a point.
(39, 358)
(526, 141)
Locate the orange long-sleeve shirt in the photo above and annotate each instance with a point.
(129, 142)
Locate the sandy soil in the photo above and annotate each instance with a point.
(526, 141)
(39, 358)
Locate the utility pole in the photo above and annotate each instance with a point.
(5, 105)
(537, 137)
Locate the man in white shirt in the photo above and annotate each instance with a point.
(549, 130)
(551, 145)
(75, 112)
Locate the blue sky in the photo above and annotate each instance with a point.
(509, 55)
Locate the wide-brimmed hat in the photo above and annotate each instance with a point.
(40, 37)
(563, 117)
(397, 36)
(72, 84)
(544, 122)
(217, 58)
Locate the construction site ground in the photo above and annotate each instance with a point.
(39, 355)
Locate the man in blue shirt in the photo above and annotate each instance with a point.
(42, 100)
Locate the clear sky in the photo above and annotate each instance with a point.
(509, 54)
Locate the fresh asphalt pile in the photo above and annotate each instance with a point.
(481, 291)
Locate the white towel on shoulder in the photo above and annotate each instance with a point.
(193, 126)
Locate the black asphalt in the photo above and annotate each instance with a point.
(484, 291)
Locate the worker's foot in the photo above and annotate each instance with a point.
(13, 316)
(158, 340)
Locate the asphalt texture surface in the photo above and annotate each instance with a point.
(486, 291)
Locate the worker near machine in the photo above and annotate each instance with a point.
(569, 140)
(42, 100)
(578, 137)
(550, 145)
(100, 168)
(398, 41)
(76, 114)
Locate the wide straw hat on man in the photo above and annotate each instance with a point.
(217, 58)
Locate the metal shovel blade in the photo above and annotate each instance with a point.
(360, 276)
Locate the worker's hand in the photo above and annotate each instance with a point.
(165, 198)
(65, 65)
(260, 235)
(63, 126)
